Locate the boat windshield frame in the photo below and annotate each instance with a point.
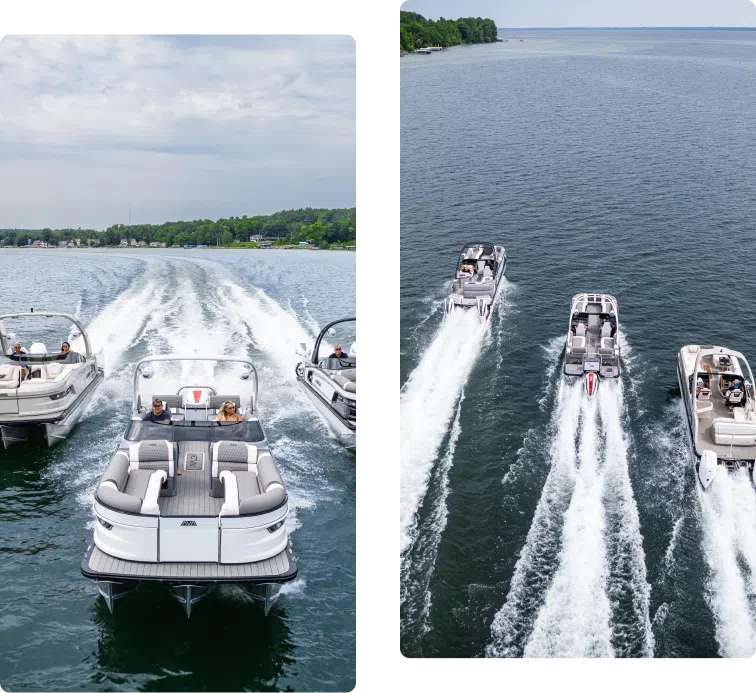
(195, 357)
(316, 347)
(6, 347)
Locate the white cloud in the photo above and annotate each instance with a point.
(174, 125)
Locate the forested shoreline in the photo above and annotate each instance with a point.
(320, 227)
(416, 31)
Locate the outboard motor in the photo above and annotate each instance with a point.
(591, 382)
(707, 468)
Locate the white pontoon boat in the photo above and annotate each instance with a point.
(43, 388)
(191, 502)
(480, 269)
(331, 383)
(717, 389)
(592, 350)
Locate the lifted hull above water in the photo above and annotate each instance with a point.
(346, 436)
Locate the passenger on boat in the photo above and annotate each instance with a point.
(71, 356)
(18, 349)
(228, 413)
(338, 353)
(467, 269)
(158, 414)
(699, 385)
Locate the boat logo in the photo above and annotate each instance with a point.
(188, 523)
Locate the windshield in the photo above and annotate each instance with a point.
(335, 364)
(210, 431)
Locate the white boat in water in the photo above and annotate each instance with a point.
(331, 383)
(43, 388)
(480, 269)
(716, 384)
(592, 350)
(190, 501)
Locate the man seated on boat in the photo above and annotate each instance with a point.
(338, 353)
(157, 414)
(70, 356)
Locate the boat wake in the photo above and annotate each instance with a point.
(728, 512)
(427, 404)
(579, 588)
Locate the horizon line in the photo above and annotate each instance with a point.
(685, 28)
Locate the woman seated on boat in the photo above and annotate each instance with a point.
(228, 413)
(467, 269)
(70, 356)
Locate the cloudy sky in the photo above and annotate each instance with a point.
(565, 13)
(180, 127)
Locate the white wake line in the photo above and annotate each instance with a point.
(427, 405)
(574, 619)
(728, 516)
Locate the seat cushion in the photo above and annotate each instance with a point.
(137, 483)
(247, 484)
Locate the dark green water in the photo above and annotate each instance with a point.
(55, 633)
(614, 161)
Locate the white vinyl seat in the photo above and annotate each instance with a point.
(10, 376)
(580, 330)
(734, 396)
(578, 344)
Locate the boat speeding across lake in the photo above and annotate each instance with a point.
(190, 500)
(716, 384)
(480, 269)
(45, 388)
(592, 350)
(331, 383)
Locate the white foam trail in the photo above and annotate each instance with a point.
(416, 582)
(574, 619)
(534, 567)
(427, 405)
(726, 515)
(627, 582)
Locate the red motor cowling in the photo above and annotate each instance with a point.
(591, 382)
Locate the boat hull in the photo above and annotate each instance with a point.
(345, 435)
(56, 430)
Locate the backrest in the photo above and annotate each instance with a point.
(232, 456)
(10, 375)
(735, 396)
(480, 266)
(267, 472)
(606, 329)
(216, 401)
(152, 454)
(487, 271)
(53, 370)
(117, 471)
(580, 329)
(169, 401)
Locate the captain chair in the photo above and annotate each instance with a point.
(734, 397)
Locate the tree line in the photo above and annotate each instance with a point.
(416, 31)
(322, 227)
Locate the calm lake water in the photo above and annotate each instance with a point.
(617, 161)
(55, 633)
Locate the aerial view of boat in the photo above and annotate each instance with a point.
(480, 269)
(42, 388)
(189, 500)
(331, 383)
(592, 350)
(716, 387)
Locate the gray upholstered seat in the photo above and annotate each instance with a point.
(122, 487)
(256, 491)
(172, 402)
(137, 483)
(152, 455)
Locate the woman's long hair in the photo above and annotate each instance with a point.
(224, 410)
